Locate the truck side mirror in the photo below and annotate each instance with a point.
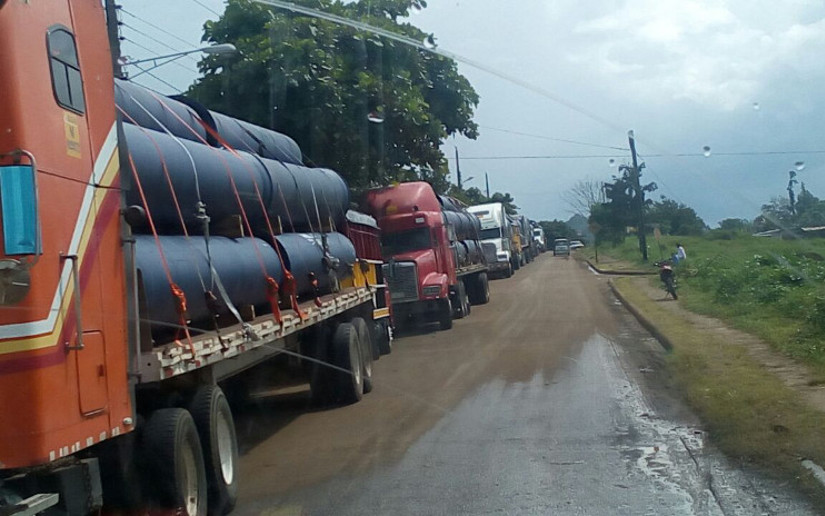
(18, 207)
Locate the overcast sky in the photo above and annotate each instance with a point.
(741, 77)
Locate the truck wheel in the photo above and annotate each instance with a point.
(517, 264)
(480, 289)
(462, 303)
(509, 272)
(119, 474)
(445, 315)
(321, 377)
(381, 335)
(346, 357)
(216, 428)
(174, 462)
(365, 339)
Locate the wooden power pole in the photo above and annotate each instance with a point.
(639, 197)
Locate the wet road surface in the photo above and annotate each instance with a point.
(548, 400)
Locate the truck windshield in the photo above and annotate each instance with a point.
(490, 233)
(405, 241)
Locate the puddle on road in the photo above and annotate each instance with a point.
(577, 438)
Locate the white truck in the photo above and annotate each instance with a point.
(495, 229)
(539, 239)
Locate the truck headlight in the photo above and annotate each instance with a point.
(431, 290)
(502, 257)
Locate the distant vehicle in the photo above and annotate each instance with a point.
(539, 240)
(575, 244)
(495, 229)
(561, 247)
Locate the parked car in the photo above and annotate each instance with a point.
(576, 244)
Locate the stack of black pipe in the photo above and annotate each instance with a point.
(201, 173)
(467, 228)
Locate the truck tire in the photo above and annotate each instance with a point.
(517, 263)
(365, 339)
(173, 462)
(317, 347)
(216, 429)
(509, 272)
(119, 473)
(480, 289)
(462, 304)
(445, 315)
(381, 335)
(346, 357)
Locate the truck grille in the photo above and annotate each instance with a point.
(403, 280)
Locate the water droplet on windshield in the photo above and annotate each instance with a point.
(799, 165)
(375, 117)
(611, 162)
(706, 151)
(429, 42)
(756, 106)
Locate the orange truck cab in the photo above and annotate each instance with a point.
(99, 408)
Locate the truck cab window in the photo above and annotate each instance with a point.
(66, 79)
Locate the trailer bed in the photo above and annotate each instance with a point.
(243, 345)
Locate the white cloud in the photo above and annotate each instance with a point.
(718, 55)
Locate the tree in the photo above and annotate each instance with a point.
(554, 229)
(583, 196)
(775, 215)
(372, 109)
(675, 218)
(471, 196)
(507, 200)
(743, 225)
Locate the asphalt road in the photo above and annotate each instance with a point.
(548, 400)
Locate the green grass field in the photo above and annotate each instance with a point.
(769, 287)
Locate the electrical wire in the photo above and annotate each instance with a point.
(543, 137)
(647, 156)
(216, 13)
(159, 42)
(156, 27)
(150, 74)
(431, 48)
(144, 47)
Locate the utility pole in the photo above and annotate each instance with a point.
(112, 30)
(457, 169)
(640, 195)
(487, 183)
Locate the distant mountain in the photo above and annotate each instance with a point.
(578, 223)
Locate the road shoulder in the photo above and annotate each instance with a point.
(757, 405)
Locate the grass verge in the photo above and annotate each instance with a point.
(750, 414)
(771, 288)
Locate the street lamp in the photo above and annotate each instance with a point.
(221, 49)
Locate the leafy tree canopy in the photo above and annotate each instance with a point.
(373, 110)
(554, 229)
(675, 218)
(743, 225)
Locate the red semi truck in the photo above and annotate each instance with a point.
(435, 264)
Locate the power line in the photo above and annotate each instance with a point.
(216, 13)
(144, 47)
(677, 155)
(543, 137)
(159, 42)
(431, 48)
(161, 29)
(150, 74)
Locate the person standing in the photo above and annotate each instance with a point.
(680, 254)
